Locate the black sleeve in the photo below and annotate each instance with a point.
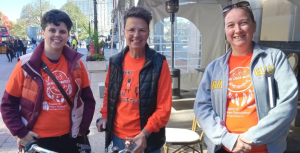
(21, 44)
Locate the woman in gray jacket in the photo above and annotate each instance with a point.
(232, 103)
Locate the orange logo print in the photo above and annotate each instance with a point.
(239, 84)
(53, 92)
(57, 101)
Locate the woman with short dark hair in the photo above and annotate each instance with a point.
(33, 106)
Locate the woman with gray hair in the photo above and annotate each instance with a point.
(138, 96)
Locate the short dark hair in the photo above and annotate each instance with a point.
(138, 12)
(246, 9)
(56, 16)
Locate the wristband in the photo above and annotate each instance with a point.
(146, 133)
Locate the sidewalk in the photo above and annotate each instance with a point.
(8, 143)
(181, 113)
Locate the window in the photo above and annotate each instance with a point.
(2, 29)
(187, 43)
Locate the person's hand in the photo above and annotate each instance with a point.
(140, 141)
(102, 122)
(242, 145)
(29, 137)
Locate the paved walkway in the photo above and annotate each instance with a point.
(7, 142)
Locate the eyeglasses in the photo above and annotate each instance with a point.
(131, 32)
(236, 5)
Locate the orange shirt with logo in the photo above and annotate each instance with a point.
(241, 112)
(54, 118)
(127, 119)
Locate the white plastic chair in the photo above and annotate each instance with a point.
(293, 60)
(187, 139)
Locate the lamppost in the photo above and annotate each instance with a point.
(76, 33)
(172, 6)
(103, 14)
(90, 29)
(96, 23)
(89, 19)
(112, 31)
(41, 11)
(95, 28)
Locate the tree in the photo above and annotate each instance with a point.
(32, 12)
(31, 15)
(5, 21)
(86, 32)
(19, 28)
(76, 15)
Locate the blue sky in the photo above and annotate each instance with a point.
(12, 8)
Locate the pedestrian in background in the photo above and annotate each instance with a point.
(232, 103)
(25, 46)
(74, 43)
(88, 43)
(33, 42)
(138, 97)
(68, 43)
(34, 108)
(13, 48)
(10, 49)
(80, 43)
(18, 46)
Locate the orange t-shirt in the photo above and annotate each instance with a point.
(127, 119)
(54, 118)
(241, 113)
(127, 122)
(56, 110)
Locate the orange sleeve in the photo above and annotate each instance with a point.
(162, 114)
(14, 84)
(84, 75)
(103, 110)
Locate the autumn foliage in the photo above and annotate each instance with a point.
(5, 21)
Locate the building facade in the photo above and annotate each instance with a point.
(104, 8)
(86, 7)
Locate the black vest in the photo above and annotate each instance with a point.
(148, 84)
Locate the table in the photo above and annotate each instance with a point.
(201, 69)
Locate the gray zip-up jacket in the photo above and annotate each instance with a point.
(273, 126)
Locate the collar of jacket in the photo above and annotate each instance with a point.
(35, 60)
(119, 60)
(256, 51)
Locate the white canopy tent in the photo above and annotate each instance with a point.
(206, 15)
